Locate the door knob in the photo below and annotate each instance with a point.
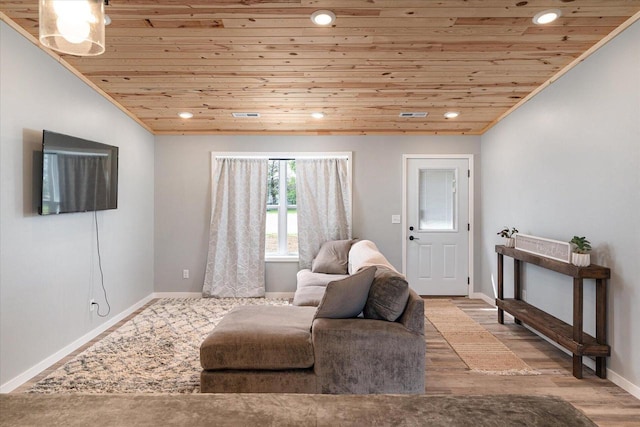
(413, 238)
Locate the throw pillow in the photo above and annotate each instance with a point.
(332, 258)
(387, 298)
(346, 298)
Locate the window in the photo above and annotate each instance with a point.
(437, 200)
(282, 218)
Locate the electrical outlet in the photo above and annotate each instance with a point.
(92, 305)
(185, 274)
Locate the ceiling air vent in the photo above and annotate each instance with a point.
(246, 115)
(413, 114)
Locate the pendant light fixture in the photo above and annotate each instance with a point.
(75, 27)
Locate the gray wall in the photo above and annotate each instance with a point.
(567, 163)
(183, 199)
(48, 265)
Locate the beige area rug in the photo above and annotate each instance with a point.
(477, 347)
(157, 351)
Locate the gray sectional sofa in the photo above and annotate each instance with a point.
(324, 349)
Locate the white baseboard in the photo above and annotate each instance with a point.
(272, 295)
(278, 295)
(16, 382)
(623, 383)
(177, 295)
(483, 297)
(612, 376)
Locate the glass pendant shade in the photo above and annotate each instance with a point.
(75, 27)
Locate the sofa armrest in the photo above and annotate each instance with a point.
(363, 356)
(413, 316)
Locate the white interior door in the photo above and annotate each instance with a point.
(437, 226)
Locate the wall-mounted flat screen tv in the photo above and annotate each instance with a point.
(77, 175)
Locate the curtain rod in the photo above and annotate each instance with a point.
(283, 158)
(306, 158)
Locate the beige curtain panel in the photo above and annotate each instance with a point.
(324, 204)
(235, 264)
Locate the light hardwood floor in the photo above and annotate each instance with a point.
(601, 400)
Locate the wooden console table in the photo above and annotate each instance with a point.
(568, 336)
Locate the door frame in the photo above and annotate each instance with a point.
(405, 162)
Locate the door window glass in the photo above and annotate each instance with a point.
(437, 200)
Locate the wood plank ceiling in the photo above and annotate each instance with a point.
(379, 58)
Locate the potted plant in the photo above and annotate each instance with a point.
(580, 255)
(507, 233)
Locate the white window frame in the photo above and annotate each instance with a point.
(291, 155)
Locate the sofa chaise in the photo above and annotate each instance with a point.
(365, 336)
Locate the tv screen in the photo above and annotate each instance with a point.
(77, 175)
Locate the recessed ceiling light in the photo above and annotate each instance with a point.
(317, 115)
(451, 114)
(323, 17)
(185, 115)
(546, 16)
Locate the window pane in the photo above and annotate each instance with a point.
(291, 182)
(281, 211)
(437, 199)
(292, 211)
(292, 230)
(273, 192)
(272, 231)
(273, 182)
